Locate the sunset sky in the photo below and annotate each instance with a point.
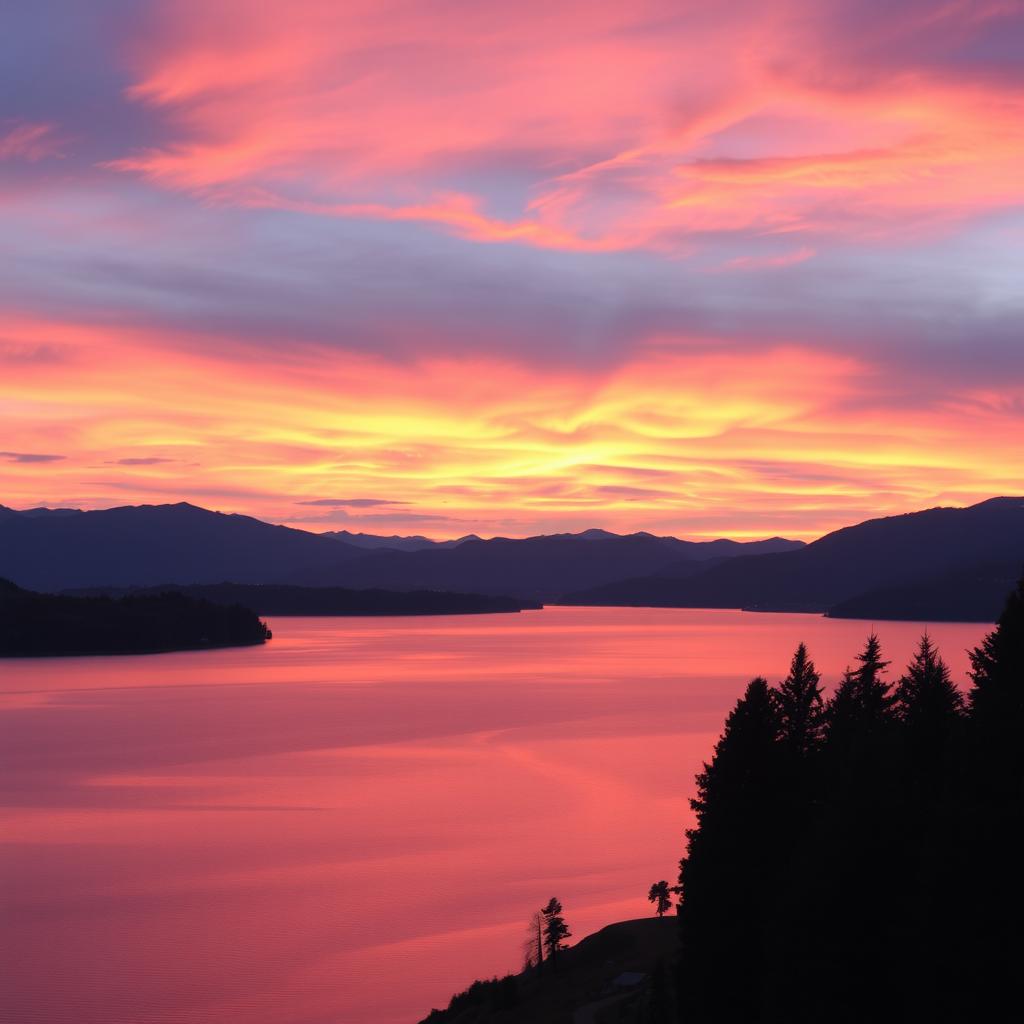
(446, 267)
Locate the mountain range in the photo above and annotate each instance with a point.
(879, 568)
(952, 563)
(373, 542)
(536, 568)
(151, 545)
(145, 545)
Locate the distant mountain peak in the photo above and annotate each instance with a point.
(1006, 501)
(595, 533)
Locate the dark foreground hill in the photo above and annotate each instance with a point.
(278, 599)
(611, 975)
(895, 552)
(46, 624)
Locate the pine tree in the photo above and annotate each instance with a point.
(726, 876)
(874, 693)
(860, 716)
(852, 838)
(555, 930)
(843, 717)
(997, 705)
(926, 696)
(931, 711)
(993, 885)
(924, 853)
(800, 705)
(997, 697)
(738, 773)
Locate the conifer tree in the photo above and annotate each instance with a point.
(740, 771)
(997, 697)
(874, 693)
(931, 710)
(726, 876)
(860, 715)
(992, 879)
(800, 705)
(555, 930)
(842, 715)
(926, 696)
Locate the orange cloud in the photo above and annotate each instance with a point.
(696, 440)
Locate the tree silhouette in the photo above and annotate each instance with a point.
(994, 890)
(868, 874)
(843, 717)
(871, 873)
(998, 663)
(660, 894)
(57, 624)
(555, 930)
(874, 693)
(927, 701)
(859, 720)
(800, 706)
(997, 696)
(533, 944)
(726, 876)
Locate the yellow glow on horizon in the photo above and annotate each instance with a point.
(698, 443)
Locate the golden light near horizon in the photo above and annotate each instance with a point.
(679, 441)
(515, 272)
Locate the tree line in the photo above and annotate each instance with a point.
(859, 858)
(855, 858)
(36, 625)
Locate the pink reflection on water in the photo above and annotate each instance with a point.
(355, 821)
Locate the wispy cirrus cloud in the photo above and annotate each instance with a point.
(350, 502)
(687, 436)
(29, 142)
(607, 140)
(149, 460)
(747, 268)
(30, 457)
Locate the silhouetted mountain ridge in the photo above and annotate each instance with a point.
(373, 542)
(895, 551)
(975, 594)
(150, 544)
(537, 568)
(153, 545)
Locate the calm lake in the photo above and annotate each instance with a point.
(355, 821)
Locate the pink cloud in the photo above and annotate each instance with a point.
(626, 127)
(28, 141)
(786, 259)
